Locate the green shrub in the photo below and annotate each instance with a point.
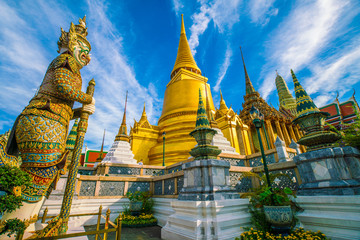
(13, 226)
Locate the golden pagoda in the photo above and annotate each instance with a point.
(178, 115)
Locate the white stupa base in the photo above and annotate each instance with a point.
(120, 152)
(206, 220)
(222, 143)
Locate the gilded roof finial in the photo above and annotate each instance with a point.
(143, 116)
(184, 58)
(249, 87)
(223, 108)
(182, 25)
(100, 158)
(122, 134)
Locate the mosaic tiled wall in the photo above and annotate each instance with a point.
(85, 172)
(111, 188)
(158, 188)
(242, 185)
(87, 188)
(254, 162)
(175, 169)
(235, 161)
(138, 186)
(153, 172)
(169, 186)
(124, 170)
(180, 183)
(292, 183)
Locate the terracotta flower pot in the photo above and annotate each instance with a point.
(279, 216)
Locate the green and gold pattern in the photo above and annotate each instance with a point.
(203, 135)
(201, 120)
(70, 142)
(304, 104)
(311, 120)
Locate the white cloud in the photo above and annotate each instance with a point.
(300, 38)
(261, 11)
(177, 6)
(223, 13)
(335, 74)
(224, 67)
(114, 76)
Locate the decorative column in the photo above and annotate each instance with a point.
(278, 130)
(286, 134)
(251, 140)
(271, 133)
(291, 131)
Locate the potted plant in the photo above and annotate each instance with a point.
(272, 209)
(139, 201)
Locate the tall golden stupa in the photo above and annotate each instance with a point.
(178, 115)
(178, 118)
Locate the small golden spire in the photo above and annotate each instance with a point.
(223, 108)
(184, 58)
(143, 116)
(182, 25)
(122, 134)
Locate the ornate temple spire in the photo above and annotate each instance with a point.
(286, 100)
(122, 134)
(201, 120)
(304, 104)
(249, 87)
(184, 58)
(143, 115)
(223, 106)
(100, 158)
(71, 139)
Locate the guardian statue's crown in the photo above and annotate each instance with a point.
(76, 32)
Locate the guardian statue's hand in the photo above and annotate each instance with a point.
(89, 108)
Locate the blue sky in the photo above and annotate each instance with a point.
(134, 46)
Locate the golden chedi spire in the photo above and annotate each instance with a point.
(184, 58)
(143, 116)
(223, 108)
(180, 107)
(122, 134)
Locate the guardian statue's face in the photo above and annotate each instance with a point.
(81, 53)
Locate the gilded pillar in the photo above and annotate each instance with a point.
(278, 130)
(251, 141)
(291, 130)
(270, 133)
(263, 139)
(286, 134)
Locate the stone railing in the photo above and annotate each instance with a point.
(110, 186)
(167, 185)
(115, 180)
